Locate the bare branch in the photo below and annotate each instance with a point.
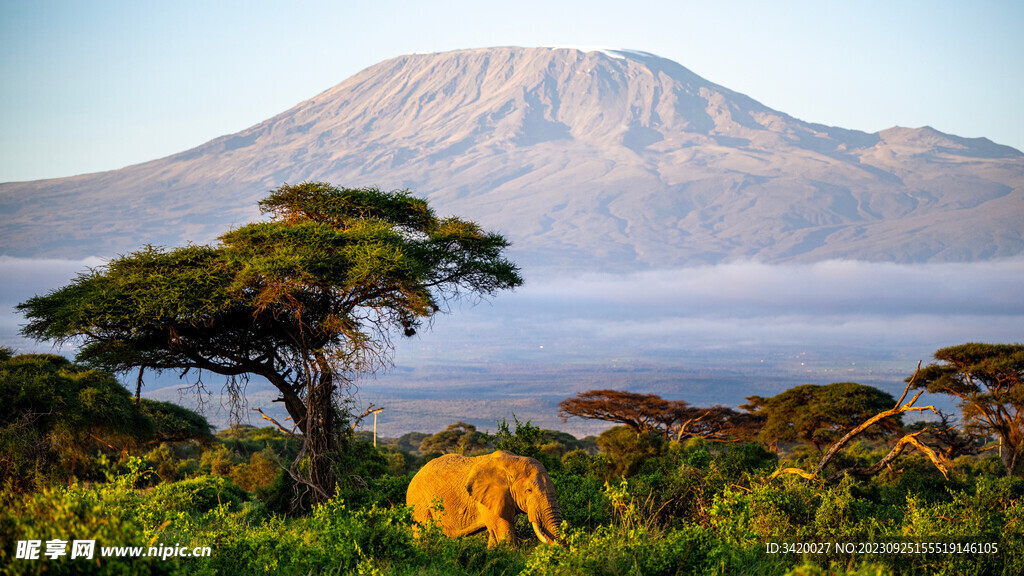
(896, 450)
(369, 410)
(897, 409)
(798, 471)
(274, 422)
(887, 460)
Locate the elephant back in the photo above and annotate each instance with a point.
(443, 477)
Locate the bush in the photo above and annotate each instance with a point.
(628, 449)
(106, 514)
(744, 458)
(196, 495)
(260, 472)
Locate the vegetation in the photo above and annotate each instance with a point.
(820, 415)
(643, 504)
(305, 300)
(988, 380)
(313, 296)
(55, 415)
(458, 438)
(650, 413)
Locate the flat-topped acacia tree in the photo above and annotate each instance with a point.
(307, 300)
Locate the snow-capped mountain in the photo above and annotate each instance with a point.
(602, 159)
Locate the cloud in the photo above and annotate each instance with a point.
(913, 308)
(847, 311)
(825, 288)
(23, 278)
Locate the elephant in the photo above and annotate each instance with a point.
(486, 492)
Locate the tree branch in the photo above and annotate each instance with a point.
(896, 450)
(274, 422)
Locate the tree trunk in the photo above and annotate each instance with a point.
(1009, 455)
(316, 417)
(321, 437)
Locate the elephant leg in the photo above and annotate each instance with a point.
(456, 532)
(500, 530)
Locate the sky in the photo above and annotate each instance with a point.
(99, 85)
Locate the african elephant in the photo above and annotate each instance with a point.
(486, 492)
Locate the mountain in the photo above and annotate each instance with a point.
(604, 160)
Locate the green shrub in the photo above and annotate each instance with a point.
(628, 450)
(106, 513)
(200, 494)
(745, 458)
(260, 471)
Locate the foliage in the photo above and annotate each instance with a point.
(547, 446)
(819, 415)
(174, 423)
(691, 507)
(524, 440)
(640, 412)
(199, 494)
(305, 300)
(988, 380)
(260, 471)
(57, 415)
(694, 508)
(458, 438)
(409, 442)
(650, 413)
(627, 449)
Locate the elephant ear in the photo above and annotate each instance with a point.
(488, 485)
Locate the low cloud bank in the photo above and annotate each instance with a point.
(825, 288)
(843, 311)
(23, 278)
(912, 307)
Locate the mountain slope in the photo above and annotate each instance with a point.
(588, 160)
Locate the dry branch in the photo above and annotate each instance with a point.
(896, 450)
(887, 460)
(358, 419)
(274, 422)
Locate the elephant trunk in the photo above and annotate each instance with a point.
(546, 523)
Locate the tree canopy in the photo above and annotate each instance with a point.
(819, 415)
(56, 414)
(650, 413)
(458, 438)
(307, 300)
(987, 380)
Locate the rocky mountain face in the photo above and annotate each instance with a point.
(599, 160)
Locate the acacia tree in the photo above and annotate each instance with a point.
(645, 413)
(820, 415)
(641, 412)
(307, 300)
(988, 379)
(458, 438)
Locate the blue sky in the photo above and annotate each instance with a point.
(90, 86)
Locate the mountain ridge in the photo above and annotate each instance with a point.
(608, 159)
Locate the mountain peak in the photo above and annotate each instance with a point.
(586, 157)
(609, 51)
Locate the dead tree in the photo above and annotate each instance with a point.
(896, 450)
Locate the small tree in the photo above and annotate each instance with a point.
(987, 380)
(55, 415)
(308, 300)
(642, 412)
(820, 415)
(650, 413)
(627, 450)
(458, 438)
